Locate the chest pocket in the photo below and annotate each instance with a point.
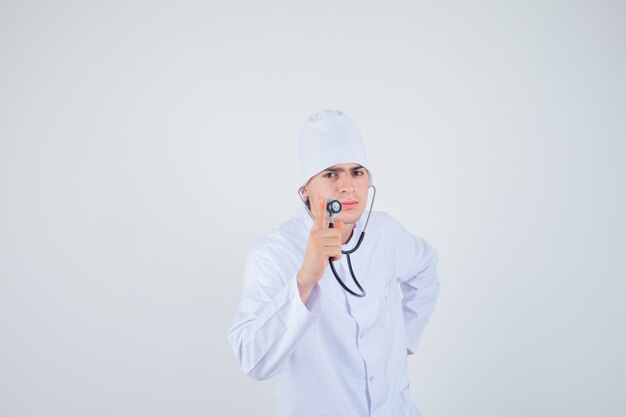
(374, 313)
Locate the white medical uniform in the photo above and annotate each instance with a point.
(339, 355)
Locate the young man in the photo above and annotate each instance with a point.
(336, 354)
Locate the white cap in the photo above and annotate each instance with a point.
(329, 138)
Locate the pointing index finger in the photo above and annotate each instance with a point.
(319, 213)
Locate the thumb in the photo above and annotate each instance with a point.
(339, 225)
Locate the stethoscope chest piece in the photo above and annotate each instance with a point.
(332, 207)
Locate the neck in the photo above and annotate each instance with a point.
(346, 233)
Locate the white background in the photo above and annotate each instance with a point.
(146, 145)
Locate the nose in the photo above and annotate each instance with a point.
(345, 183)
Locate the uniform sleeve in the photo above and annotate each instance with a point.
(418, 280)
(270, 319)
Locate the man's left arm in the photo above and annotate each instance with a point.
(417, 273)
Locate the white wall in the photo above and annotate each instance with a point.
(145, 146)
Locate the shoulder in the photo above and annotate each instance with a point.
(384, 222)
(387, 226)
(283, 239)
(276, 257)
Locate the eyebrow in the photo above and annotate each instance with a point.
(331, 169)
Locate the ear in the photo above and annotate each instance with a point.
(304, 192)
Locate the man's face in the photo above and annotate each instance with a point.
(348, 183)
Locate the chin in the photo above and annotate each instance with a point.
(351, 218)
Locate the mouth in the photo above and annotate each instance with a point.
(349, 204)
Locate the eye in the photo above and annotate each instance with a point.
(329, 174)
(358, 173)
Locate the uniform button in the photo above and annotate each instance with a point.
(361, 336)
(371, 378)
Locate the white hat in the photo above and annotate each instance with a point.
(329, 138)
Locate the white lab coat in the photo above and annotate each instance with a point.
(339, 355)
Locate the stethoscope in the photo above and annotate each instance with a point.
(333, 207)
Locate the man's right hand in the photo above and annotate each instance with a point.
(323, 243)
